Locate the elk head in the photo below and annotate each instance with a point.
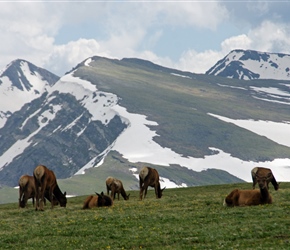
(263, 180)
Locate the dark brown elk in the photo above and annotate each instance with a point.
(264, 172)
(116, 187)
(98, 200)
(27, 191)
(149, 177)
(45, 181)
(250, 197)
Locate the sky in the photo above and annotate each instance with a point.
(186, 35)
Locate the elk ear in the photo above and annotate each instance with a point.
(162, 189)
(97, 194)
(64, 193)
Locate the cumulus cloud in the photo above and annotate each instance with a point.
(64, 57)
(199, 14)
(268, 37)
(272, 37)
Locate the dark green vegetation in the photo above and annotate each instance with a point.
(181, 107)
(185, 218)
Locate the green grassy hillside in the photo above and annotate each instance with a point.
(181, 107)
(185, 218)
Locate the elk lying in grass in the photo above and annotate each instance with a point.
(45, 181)
(98, 200)
(149, 177)
(116, 187)
(250, 197)
(27, 191)
(264, 172)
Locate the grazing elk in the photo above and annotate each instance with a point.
(264, 172)
(250, 197)
(149, 177)
(98, 200)
(27, 191)
(116, 187)
(45, 181)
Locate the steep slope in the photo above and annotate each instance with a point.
(20, 83)
(64, 129)
(250, 64)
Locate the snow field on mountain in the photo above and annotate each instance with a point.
(137, 145)
(13, 98)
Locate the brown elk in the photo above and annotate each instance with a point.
(116, 187)
(149, 177)
(98, 200)
(27, 191)
(264, 172)
(250, 197)
(45, 181)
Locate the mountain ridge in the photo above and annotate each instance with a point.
(83, 117)
(250, 64)
(22, 82)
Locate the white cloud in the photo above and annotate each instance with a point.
(198, 62)
(268, 37)
(64, 57)
(272, 37)
(32, 31)
(199, 14)
(236, 42)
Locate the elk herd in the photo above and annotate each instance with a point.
(43, 186)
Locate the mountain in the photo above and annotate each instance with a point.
(20, 83)
(250, 64)
(110, 117)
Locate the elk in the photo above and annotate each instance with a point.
(45, 181)
(264, 172)
(27, 191)
(250, 197)
(99, 200)
(149, 177)
(116, 186)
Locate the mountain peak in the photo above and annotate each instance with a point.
(20, 71)
(22, 82)
(251, 64)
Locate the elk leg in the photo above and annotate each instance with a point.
(37, 193)
(20, 196)
(51, 195)
(108, 190)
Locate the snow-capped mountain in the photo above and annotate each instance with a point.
(69, 125)
(249, 64)
(20, 83)
(149, 114)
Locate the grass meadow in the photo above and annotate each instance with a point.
(184, 218)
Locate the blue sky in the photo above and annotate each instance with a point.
(187, 35)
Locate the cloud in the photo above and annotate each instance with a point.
(58, 36)
(64, 57)
(197, 14)
(26, 31)
(272, 37)
(267, 37)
